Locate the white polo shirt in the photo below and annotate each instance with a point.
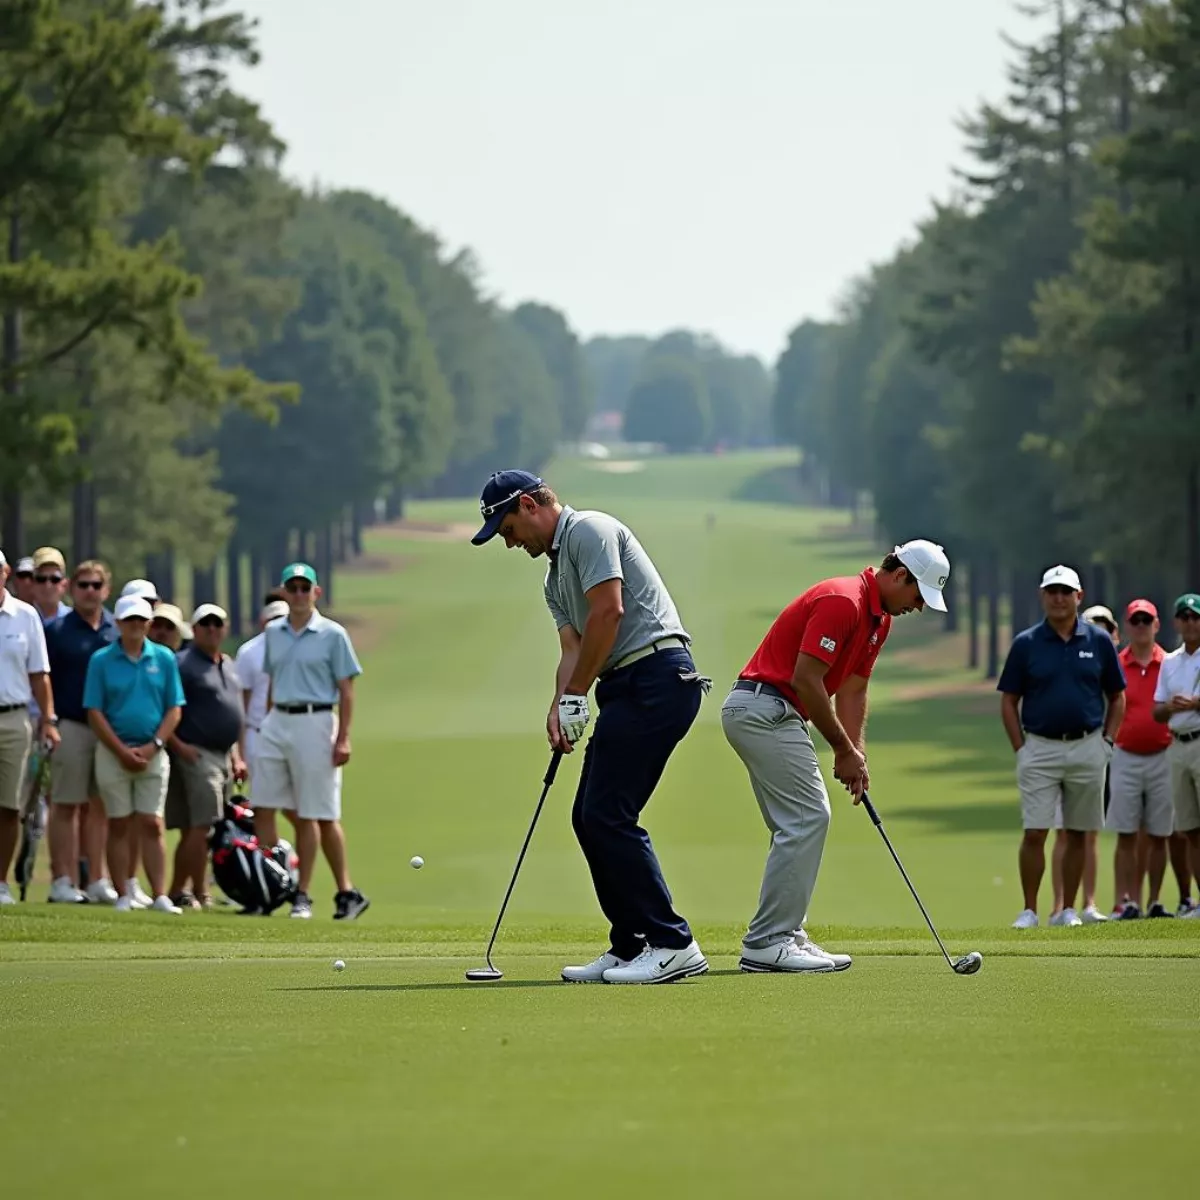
(248, 666)
(22, 649)
(1180, 676)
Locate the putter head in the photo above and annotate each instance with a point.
(969, 963)
(484, 975)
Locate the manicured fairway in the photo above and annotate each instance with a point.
(180, 1056)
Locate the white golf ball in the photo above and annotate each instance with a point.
(339, 965)
(416, 862)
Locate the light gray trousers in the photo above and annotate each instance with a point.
(772, 740)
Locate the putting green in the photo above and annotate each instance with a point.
(142, 1051)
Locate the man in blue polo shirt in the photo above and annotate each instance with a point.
(75, 807)
(134, 699)
(1063, 698)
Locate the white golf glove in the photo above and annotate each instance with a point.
(573, 717)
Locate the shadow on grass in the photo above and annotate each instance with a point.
(993, 816)
(465, 984)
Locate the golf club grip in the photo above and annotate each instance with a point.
(871, 809)
(552, 769)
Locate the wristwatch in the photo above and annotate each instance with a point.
(158, 743)
(1109, 740)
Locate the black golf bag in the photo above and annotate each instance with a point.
(257, 878)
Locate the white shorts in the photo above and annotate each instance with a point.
(293, 766)
(127, 792)
(1141, 794)
(1053, 775)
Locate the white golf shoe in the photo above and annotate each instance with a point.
(163, 904)
(841, 962)
(656, 965)
(594, 971)
(124, 904)
(101, 891)
(133, 890)
(788, 958)
(63, 891)
(6, 897)
(1027, 920)
(1068, 917)
(1092, 915)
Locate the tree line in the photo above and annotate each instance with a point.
(204, 363)
(1020, 380)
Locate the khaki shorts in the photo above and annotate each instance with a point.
(127, 792)
(1184, 758)
(293, 766)
(1141, 794)
(1050, 772)
(73, 765)
(196, 792)
(16, 740)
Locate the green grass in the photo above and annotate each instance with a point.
(179, 1054)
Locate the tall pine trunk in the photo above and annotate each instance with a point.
(12, 524)
(233, 585)
(992, 668)
(974, 591)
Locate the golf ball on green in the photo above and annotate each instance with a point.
(416, 862)
(339, 965)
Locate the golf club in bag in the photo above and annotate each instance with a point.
(33, 817)
(969, 963)
(490, 974)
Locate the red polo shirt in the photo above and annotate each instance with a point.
(1140, 733)
(840, 621)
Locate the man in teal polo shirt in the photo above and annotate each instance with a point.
(133, 698)
(302, 745)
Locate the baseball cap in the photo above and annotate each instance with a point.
(1140, 606)
(1188, 602)
(274, 610)
(48, 556)
(499, 495)
(209, 610)
(1098, 613)
(298, 570)
(133, 606)
(24, 565)
(163, 611)
(1061, 576)
(140, 587)
(928, 562)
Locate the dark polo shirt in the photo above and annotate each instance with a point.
(70, 644)
(212, 717)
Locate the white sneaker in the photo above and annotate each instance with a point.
(133, 890)
(1092, 915)
(656, 965)
(6, 897)
(841, 962)
(1192, 914)
(63, 891)
(1068, 916)
(124, 904)
(1027, 920)
(594, 971)
(163, 904)
(785, 958)
(102, 892)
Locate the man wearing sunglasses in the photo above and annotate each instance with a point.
(49, 583)
(1062, 700)
(303, 744)
(21, 583)
(1140, 773)
(1177, 705)
(617, 628)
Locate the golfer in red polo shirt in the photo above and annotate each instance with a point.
(821, 647)
(1139, 773)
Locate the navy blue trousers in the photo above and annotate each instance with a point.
(644, 712)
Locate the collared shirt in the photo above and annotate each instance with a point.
(212, 717)
(71, 642)
(1062, 682)
(306, 667)
(590, 548)
(133, 694)
(63, 609)
(22, 649)
(1140, 733)
(34, 711)
(1179, 676)
(252, 677)
(839, 621)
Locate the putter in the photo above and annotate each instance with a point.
(490, 974)
(968, 964)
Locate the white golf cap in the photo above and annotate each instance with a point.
(133, 606)
(1061, 576)
(926, 561)
(24, 565)
(274, 610)
(140, 587)
(1098, 612)
(209, 610)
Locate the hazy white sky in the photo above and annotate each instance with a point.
(724, 165)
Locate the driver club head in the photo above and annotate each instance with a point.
(969, 963)
(490, 975)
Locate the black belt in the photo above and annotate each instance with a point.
(1187, 737)
(5, 708)
(758, 687)
(304, 708)
(1074, 736)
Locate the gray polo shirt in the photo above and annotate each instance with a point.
(306, 667)
(212, 716)
(590, 548)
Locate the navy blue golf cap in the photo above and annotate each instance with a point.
(500, 494)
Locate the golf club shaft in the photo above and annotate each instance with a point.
(878, 822)
(547, 780)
